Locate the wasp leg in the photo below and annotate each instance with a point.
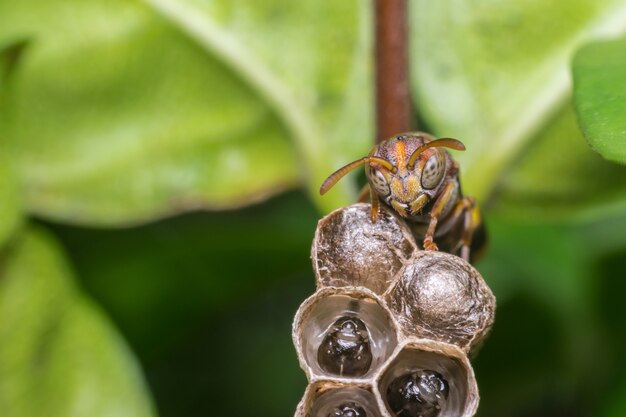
(364, 193)
(446, 194)
(472, 221)
(375, 205)
(467, 208)
(373, 197)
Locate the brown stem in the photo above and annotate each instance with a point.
(393, 102)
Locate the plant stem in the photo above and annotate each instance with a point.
(393, 102)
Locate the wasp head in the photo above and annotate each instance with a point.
(406, 171)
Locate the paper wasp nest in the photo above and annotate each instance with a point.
(390, 327)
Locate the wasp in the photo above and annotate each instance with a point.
(415, 175)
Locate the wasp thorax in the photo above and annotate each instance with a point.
(348, 410)
(345, 351)
(421, 393)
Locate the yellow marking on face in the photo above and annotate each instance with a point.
(418, 204)
(399, 208)
(412, 187)
(404, 189)
(397, 189)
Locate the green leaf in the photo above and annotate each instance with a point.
(491, 73)
(59, 355)
(127, 111)
(559, 179)
(600, 96)
(10, 201)
(118, 118)
(310, 60)
(10, 55)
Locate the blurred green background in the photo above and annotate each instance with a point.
(159, 162)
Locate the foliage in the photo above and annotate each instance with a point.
(600, 94)
(58, 354)
(115, 114)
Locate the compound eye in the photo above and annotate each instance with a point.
(379, 182)
(433, 171)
